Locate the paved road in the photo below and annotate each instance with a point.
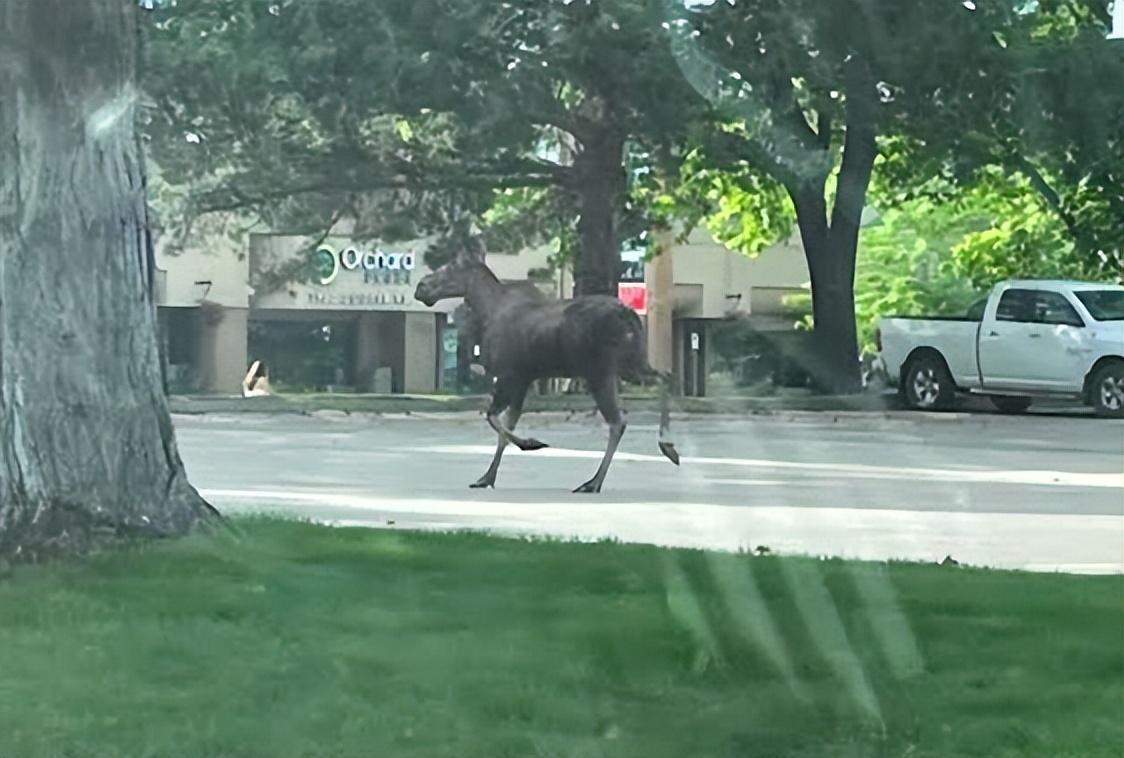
(1036, 492)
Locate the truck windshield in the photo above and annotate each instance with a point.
(1103, 305)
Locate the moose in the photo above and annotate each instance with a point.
(527, 336)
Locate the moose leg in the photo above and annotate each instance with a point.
(503, 396)
(514, 411)
(667, 447)
(605, 393)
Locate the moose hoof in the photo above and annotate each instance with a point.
(483, 482)
(530, 445)
(591, 487)
(669, 451)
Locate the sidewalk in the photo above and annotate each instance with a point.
(356, 403)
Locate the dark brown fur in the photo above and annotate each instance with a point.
(527, 336)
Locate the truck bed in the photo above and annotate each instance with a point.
(954, 337)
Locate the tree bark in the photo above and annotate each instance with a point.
(87, 449)
(831, 249)
(599, 183)
(835, 365)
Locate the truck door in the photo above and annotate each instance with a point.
(1032, 342)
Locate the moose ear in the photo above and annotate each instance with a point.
(472, 250)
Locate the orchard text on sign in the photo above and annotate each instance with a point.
(329, 263)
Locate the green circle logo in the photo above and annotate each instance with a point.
(327, 265)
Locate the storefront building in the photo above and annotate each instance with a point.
(351, 323)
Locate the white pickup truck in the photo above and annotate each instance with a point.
(1028, 339)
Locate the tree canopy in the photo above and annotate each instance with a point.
(422, 107)
(940, 252)
(1051, 117)
(586, 122)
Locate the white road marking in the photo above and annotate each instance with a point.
(847, 470)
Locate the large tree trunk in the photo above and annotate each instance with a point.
(835, 365)
(828, 364)
(599, 183)
(831, 250)
(87, 451)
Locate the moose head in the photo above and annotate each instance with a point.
(455, 277)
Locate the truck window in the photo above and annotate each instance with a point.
(1053, 308)
(1016, 305)
(1036, 307)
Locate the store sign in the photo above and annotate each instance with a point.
(378, 266)
(635, 296)
(358, 300)
(632, 266)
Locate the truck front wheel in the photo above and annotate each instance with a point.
(926, 383)
(1107, 387)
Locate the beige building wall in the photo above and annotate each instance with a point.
(215, 280)
(221, 359)
(659, 279)
(366, 355)
(390, 347)
(405, 340)
(780, 266)
(712, 281)
(219, 273)
(513, 268)
(421, 356)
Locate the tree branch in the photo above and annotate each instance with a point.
(824, 131)
(335, 219)
(804, 131)
(784, 101)
(860, 149)
(234, 198)
(1049, 194)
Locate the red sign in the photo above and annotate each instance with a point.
(635, 296)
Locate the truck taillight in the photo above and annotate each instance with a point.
(878, 339)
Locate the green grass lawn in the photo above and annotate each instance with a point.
(296, 640)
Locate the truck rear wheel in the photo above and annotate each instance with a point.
(926, 383)
(1108, 390)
